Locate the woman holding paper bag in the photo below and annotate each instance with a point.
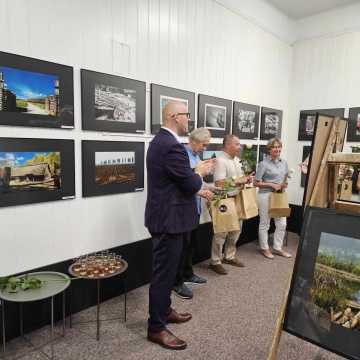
(271, 176)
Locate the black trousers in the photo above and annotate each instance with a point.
(185, 269)
(167, 249)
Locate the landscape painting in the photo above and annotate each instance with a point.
(115, 167)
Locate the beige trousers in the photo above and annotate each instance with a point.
(226, 240)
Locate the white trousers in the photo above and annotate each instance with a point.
(226, 240)
(280, 224)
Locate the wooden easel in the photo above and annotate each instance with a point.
(319, 190)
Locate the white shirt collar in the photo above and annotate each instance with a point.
(176, 136)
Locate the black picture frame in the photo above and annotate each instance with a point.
(214, 114)
(212, 151)
(35, 92)
(326, 236)
(245, 123)
(112, 103)
(36, 170)
(305, 154)
(131, 152)
(262, 152)
(307, 120)
(271, 123)
(353, 131)
(160, 95)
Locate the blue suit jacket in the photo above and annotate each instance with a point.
(171, 204)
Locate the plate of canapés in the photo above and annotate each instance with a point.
(97, 266)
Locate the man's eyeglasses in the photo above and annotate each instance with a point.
(187, 114)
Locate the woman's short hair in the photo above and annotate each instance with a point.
(200, 134)
(271, 143)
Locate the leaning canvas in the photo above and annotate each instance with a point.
(324, 300)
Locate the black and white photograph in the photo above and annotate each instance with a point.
(245, 120)
(353, 131)
(161, 95)
(36, 170)
(112, 167)
(271, 121)
(35, 92)
(112, 103)
(324, 298)
(215, 115)
(307, 120)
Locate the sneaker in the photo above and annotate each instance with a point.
(183, 291)
(218, 268)
(195, 279)
(282, 253)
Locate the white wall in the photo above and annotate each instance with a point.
(325, 75)
(194, 45)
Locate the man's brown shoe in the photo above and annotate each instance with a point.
(177, 318)
(234, 262)
(167, 340)
(218, 268)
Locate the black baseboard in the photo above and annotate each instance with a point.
(82, 293)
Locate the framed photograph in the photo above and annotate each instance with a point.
(353, 131)
(271, 121)
(304, 165)
(248, 157)
(323, 303)
(161, 95)
(36, 170)
(112, 103)
(245, 123)
(211, 152)
(307, 121)
(35, 92)
(214, 114)
(262, 152)
(112, 167)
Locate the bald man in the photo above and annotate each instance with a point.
(170, 215)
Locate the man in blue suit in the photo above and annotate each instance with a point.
(170, 215)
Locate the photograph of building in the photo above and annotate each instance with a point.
(28, 92)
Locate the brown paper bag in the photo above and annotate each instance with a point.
(246, 204)
(224, 215)
(279, 205)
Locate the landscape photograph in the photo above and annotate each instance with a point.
(115, 104)
(115, 167)
(29, 171)
(29, 92)
(335, 291)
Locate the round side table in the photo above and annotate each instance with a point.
(53, 283)
(120, 271)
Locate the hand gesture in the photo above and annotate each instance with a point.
(204, 168)
(206, 194)
(277, 187)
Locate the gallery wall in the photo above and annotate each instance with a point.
(325, 75)
(199, 46)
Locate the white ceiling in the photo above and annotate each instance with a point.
(297, 9)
